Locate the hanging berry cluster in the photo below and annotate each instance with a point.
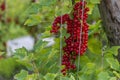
(77, 27)
(2, 6)
(2, 9)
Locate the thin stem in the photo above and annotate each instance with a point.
(80, 42)
(36, 69)
(61, 41)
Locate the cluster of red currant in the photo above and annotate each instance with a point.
(77, 27)
(2, 9)
(2, 6)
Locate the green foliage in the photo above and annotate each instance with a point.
(113, 78)
(95, 46)
(45, 11)
(33, 20)
(24, 58)
(103, 76)
(7, 67)
(95, 1)
(22, 75)
(114, 64)
(47, 2)
(14, 11)
(49, 76)
(43, 62)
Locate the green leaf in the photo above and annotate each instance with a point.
(103, 76)
(50, 76)
(95, 16)
(24, 58)
(7, 67)
(27, 61)
(112, 50)
(33, 20)
(57, 44)
(67, 78)
(95, 45)
(96, 25)
(91, 6)
(46, 34)
(32, 77)
(34, 8)
(47, 2)
(72, 77)
(95, 1)
(114, 64)
(88, 68)
(20, 53)
(84, 60)
(113, 78)
(52, 54)
(82, 78)
(116, 74)
(40, 45)
(2, 53)
(21, 76)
